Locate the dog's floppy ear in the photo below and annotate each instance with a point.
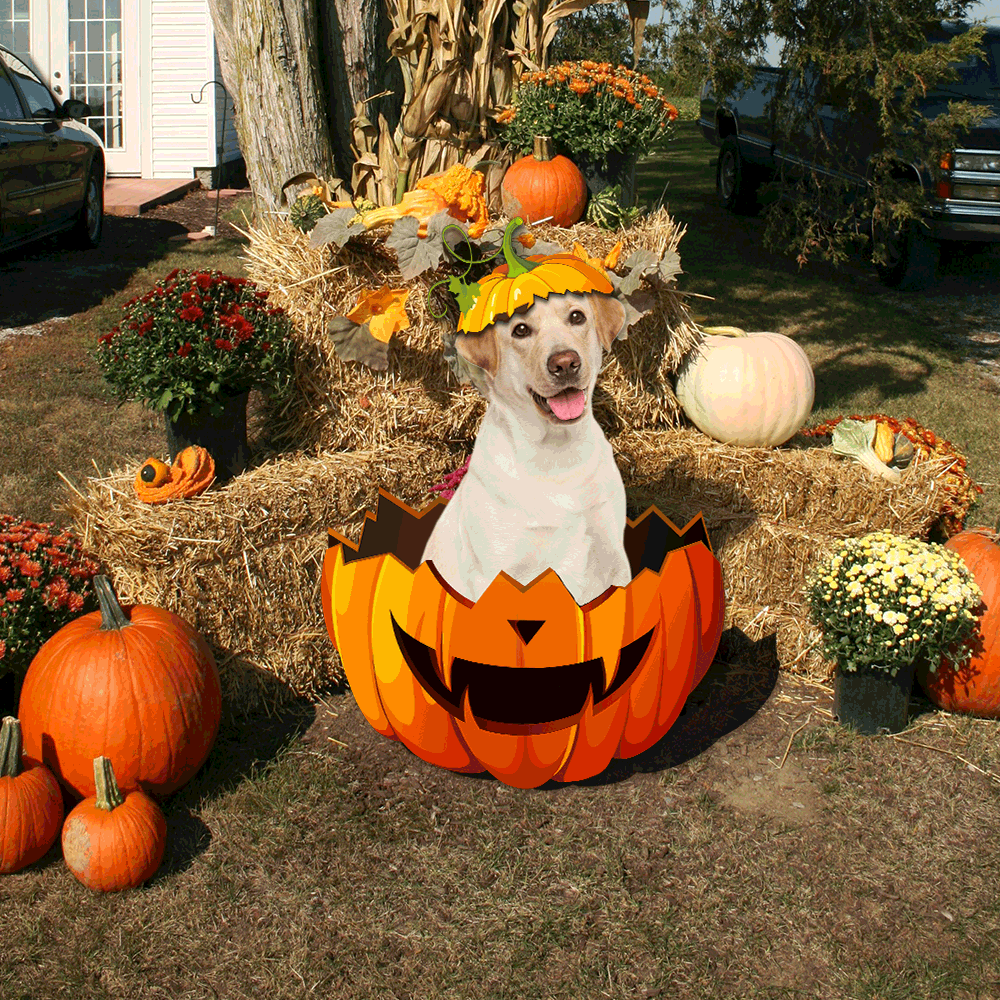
(479, 349)
(611, 318)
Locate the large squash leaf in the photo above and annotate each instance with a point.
(336, 228)
(355, 342)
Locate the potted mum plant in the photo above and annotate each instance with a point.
(885, 603)
(193, 347)
(44, 584)
(602, 117)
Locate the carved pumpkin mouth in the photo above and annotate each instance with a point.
(520, 700)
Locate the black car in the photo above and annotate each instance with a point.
(962, 191)
(51, 166)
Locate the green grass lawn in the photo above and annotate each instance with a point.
(872, 349)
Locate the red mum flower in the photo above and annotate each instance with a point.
(204, 281)
(192, 313)
(224, 345)
(184, 350)
(191, 299)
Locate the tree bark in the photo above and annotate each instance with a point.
(269, 56)
(358, 68)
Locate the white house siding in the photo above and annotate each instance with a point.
(182, 57)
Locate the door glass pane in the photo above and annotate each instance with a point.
(15, 26)
(96, 58)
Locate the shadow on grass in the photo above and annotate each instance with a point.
(246, 744)
(736, 686)
(45, 280)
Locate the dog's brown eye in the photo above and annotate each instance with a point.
(521, 330)
(576, 317)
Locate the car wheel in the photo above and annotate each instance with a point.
(911, 256)
(735, 180)
(90, 222)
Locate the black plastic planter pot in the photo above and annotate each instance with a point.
(224, 437)
(873, 701)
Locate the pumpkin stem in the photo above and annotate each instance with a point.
(109, 795)
(515, 264)
(11, 748)
(112, 616)
(543, 148)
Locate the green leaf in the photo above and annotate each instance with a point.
(354, 342)
(640, 262)
(165, 397)
(669, 266)
(414, 254)
(336, 228)
(465, 295)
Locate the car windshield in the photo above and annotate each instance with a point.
(41, 103)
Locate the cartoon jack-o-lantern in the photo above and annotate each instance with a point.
(524, 683)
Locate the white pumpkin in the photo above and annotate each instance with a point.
(750, 389)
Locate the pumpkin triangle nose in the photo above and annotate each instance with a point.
(526, 629)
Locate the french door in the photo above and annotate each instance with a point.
(87, 50)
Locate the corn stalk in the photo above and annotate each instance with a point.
(459, 61)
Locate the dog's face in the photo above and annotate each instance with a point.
(542, 362)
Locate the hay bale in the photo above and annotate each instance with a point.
(242, 563)
(345, 405)
(771, 514)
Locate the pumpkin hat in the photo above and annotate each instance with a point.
(517, 282)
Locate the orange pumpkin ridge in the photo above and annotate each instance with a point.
(137, 684)
(524, 683)
(974, 687)
(541, 185)
(113, 841)
(31, 803)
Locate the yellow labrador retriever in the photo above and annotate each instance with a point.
(542, 489)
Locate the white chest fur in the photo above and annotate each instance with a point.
(523, 509)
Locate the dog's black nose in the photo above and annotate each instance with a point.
(564, 363)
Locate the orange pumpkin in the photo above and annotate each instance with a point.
(541, 185)
(31, 805)
(113, 841)
(138, 684)
(974, 687)
(516, 283)
(192, 473)
(524, 683)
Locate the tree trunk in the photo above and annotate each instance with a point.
(358, 67)
(269, 58)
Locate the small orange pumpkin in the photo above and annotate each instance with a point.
(517, 282)
(524, 683)
(192, 473)
(541, 185)
(974, 687)
(31, 804)
(113, 841)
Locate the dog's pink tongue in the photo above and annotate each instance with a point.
(569, 404)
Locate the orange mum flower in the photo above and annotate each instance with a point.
(579, 87)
